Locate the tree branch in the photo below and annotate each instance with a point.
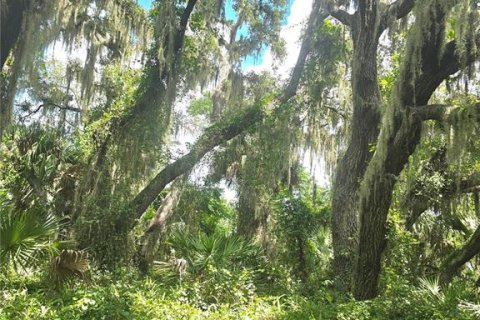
(49, 104)
(400, 8)
(444, 113)
(429, 112)
(438, 68)
(213, 136)
(459, 257)
(235, 28)
(220, 133)
(342, 16)
(417, 203)
(180, 37)
(313, 21)
(396, 10)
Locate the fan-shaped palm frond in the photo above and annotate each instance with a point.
(430, 288)
(67, 266)
(23, 236)
(220, 251)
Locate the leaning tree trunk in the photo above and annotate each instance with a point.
(223, 131)
(150, 239)
(459, 257)
(427, 63)
(364, 132)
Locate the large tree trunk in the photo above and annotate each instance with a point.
(364, 132)
(427, 67)
(366, 25)
(12, 13)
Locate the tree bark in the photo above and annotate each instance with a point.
(427, 67)
(364, 132)
(248, 222)
(12, 13)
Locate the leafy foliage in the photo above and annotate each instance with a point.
(83, 142)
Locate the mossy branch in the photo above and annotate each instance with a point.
(213, 137)
(417, 202)
(220, 133)
(445, 113)
(459, 257)
(394, 11)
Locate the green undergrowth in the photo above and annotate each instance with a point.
(125, 295)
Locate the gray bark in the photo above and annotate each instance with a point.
(364, 132)
(12, 13)
(397, 143)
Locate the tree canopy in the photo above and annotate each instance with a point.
(141, 142)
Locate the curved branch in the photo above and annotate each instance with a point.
(342, 16)
(213, 136)
(400, 8)
(396, 10)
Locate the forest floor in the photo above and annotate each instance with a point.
(125, 295)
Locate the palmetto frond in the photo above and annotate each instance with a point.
(23, 236)
(221, 251)
(67, 266)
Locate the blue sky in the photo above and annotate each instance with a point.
(230, 14)
(145, 3)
